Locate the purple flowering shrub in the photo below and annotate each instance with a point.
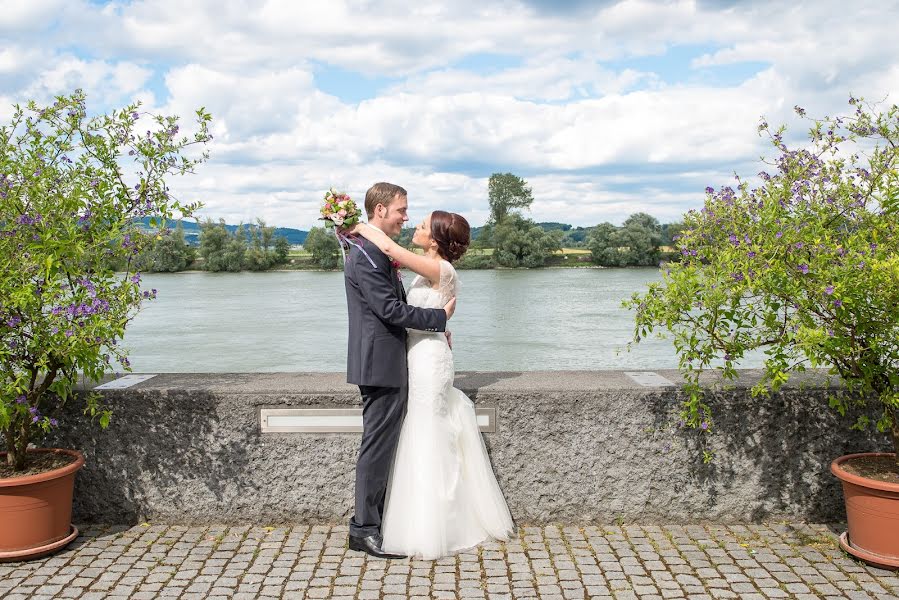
(71, 189)
(804, 267)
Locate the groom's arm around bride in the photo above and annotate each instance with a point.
(379, 317)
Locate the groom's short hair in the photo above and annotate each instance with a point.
(381, 193)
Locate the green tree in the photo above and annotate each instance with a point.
(222, 250)
(520, 242)
(640, 236)
(259, 255)
(484, 237)
(575, 238)
(266, 235)
(324, 248)
(282, 249)
(635, 243)
(670, 232)
(73, 189)
(213, 241)
(235, 254)
(167, 252)
(254, 257)
(804, 268)
(405, 237)
(506, 192)
(603, 245)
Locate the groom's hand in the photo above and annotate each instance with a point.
(450, 308)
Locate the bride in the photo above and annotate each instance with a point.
(442, 496)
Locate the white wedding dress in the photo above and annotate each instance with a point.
(442, 496)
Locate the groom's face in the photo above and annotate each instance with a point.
(395, 216)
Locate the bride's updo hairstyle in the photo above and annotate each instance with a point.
(452, 234)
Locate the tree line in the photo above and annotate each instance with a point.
(254, 248)
(249, 248)
(510, 239)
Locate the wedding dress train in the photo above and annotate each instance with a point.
(442, 496)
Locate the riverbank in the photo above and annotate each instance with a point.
(314, 269)
(308, 265)
(474, 260)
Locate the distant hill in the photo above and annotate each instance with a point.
(554, 226)
(296, 237)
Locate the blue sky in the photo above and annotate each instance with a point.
(606, 108)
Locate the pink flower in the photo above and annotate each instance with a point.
(396, 267)
(342, 212)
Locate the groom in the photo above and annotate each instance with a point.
(376, 358)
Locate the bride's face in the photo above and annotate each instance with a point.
(422, 236)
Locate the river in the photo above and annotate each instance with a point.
(506, 320)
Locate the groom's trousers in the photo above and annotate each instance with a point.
(383, 410)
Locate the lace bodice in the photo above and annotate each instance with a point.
(422, 294)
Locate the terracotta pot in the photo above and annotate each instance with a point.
(36, 510)
(872, 515)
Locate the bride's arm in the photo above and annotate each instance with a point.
(424, 266)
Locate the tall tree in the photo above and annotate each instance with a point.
(266, 234)
(256, 257)
(213, 239)
(236, 250)
(506, 192)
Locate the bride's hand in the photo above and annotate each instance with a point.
(352, 230)
(450, 308)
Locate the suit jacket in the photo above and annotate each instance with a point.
(378, 318)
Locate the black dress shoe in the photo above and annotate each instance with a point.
(371, 545)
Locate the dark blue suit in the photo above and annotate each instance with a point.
(376, 362)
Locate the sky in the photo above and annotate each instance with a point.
(605, 108)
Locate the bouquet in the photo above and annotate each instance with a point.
(340, 213)
(339, 210)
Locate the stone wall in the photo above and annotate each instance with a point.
(574, 447)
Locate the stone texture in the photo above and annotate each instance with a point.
(574, 447)
(467, 575)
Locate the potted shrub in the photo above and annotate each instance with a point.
(72, 190)
(804, 266)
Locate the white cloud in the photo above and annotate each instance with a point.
(615, 137)
(18, 61)
(540, 78)
(114, 82)
(16, 15)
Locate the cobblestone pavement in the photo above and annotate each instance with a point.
(630, 561)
